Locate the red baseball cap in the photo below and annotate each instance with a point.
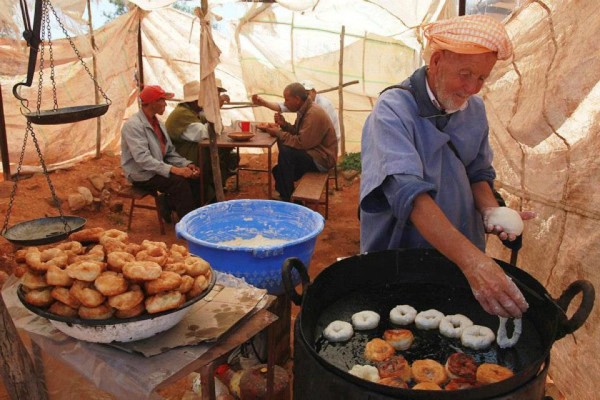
(152, 93)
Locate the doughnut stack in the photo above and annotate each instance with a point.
(111, 277)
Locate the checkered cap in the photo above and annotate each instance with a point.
(469, 34)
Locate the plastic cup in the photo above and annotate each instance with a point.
(245, 126)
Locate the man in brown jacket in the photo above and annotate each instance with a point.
(308, 145)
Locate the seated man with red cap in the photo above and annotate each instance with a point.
(427, 175)
(149, 159)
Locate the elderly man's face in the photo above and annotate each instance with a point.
(456, 77)
(158, 106)
(292, 103)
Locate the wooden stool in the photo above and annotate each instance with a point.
(135, 194)
(334, 176)
(310, 189)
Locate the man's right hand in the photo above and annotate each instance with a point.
(279, 120)
(257, 100)
(182, 171)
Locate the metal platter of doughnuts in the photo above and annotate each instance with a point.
(113, 290)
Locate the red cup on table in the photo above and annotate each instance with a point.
(245, 126)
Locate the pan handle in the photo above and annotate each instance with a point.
(286, 275)
(585, 308)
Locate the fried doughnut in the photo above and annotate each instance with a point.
(142, 270)
(452, 325)
(147, 244)
(187, 282)
(113, 234)
(63, 310)
(403, 315)
(366, 372)
(164, 301)
(20, 255)
(426, 386)
(85, 270)
(365, 320)
(492, 373)
(58, 277)
(461, 366)
(111, 245)
(71, 248)
(196, 266)
(395, 366)
(400, 339)
(89, 297)
(132, 312)
(77, 287)
(393, 381)
(96, 253)
(34, 281)
(378, 350)
(111, 283)
(64, 296)
(459, 383)
(177, 267)
(477, 337)
(502, 339)
(165, 282)
(39, 261)
(338, 331)
(117, 259)
(429, 371)
(179, 250)
(88, 235)
(132, 248)
(127, 300)
(156, 254)
(39, 297)
(20, 270)
(103, 311)
(199, 286)
(429, 319)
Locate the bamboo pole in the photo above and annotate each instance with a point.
(95, 74)
(341, 93)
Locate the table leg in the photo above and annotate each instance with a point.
(200, 165)
(237, 172)
(207, 381)
(269, 169)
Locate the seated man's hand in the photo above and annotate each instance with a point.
(279, 119)
(224, 98)
(182, 171)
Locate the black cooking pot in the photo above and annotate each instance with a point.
(424, 279)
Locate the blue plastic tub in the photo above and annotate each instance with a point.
(206, 228)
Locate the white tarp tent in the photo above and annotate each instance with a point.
(542, 107)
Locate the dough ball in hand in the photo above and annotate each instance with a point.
(509, 219)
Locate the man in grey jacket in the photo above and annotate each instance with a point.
(149, 159)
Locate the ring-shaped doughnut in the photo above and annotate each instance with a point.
(452, 325)
(403, 315)
(113, 234)
(461, 365)
(502, 339)
(366, 372)
(155, 253)
(338, 331)
(378, 350)
(477, 337)
(429, 371)
(400, 339)
(492, 373)
(429, 319)
(117, 259)
(365, 320)
(72, 247)
(396, 366)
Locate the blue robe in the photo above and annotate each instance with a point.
(404, 154)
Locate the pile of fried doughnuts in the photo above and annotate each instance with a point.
(111, 277)
(460, 371)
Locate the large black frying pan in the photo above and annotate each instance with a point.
(43, 230)
(425, 279)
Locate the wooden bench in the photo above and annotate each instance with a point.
(309, 190)
(136, 194)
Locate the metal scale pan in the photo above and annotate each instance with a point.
(66, 115)
(43, 230)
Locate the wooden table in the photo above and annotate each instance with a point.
(261, 140)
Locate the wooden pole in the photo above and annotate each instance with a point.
(140, 55)
(462, 7)
(95, 74)
(16, 368)
(4, 142)
(341, 93)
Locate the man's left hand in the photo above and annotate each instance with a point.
(224, 98)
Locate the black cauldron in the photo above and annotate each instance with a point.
(424, 279)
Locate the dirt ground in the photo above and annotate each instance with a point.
(340, 237)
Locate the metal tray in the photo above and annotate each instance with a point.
(43, 230)
(66, 115)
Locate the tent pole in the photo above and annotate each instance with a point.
(140, 55)
(462, 7)
(3, 142)
(341, 93)
(95, 72)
